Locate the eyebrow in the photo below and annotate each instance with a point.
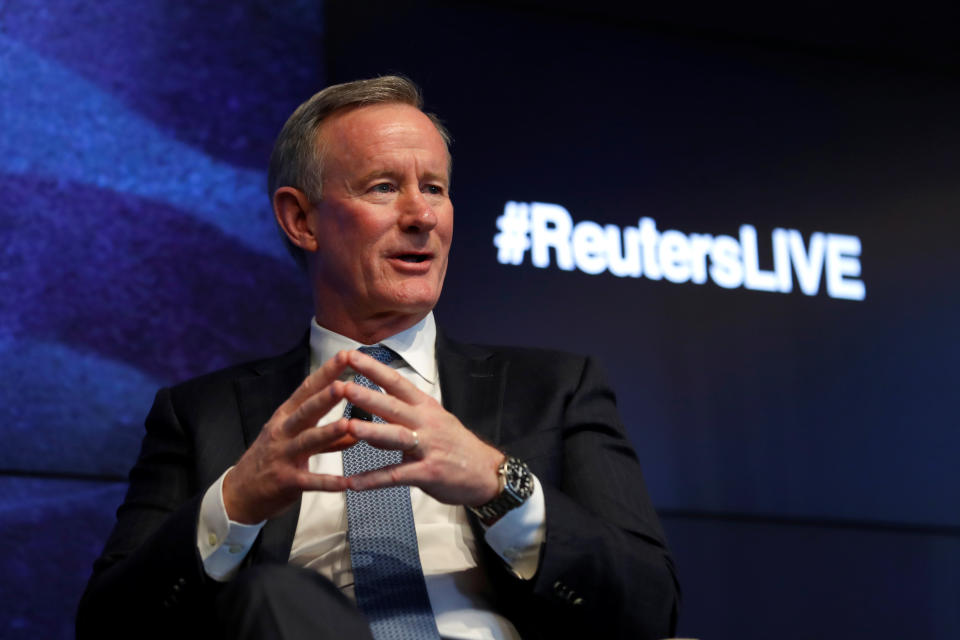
(389, 173)
(379, 173)
(432, 175)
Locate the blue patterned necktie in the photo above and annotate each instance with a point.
(388, 579)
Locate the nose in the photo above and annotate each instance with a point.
(416, 214)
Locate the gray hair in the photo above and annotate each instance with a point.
(297, 159)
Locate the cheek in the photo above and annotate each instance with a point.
(445, 230)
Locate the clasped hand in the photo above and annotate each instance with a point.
(440, 456)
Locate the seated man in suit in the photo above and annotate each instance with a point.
(381, 480)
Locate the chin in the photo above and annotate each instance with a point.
(415, 300)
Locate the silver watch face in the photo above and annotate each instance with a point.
(517, 477)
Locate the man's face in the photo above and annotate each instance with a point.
(385, 221)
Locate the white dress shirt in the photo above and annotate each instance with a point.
(458, 589)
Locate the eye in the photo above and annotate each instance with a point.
(433, 189)
(383, 187)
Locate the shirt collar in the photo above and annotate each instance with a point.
(416, 345)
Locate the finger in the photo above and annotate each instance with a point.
(329, 437)
(384, 435)
(321, 482)
(389, 408)
(386, 377)
(402, 474)
(314, 408)
(345, 442)
(316, 381)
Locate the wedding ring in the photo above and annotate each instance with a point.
(416, 442)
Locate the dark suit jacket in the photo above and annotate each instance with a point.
(604, 571)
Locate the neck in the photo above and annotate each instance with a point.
(368, 330)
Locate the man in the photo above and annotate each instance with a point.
(248, 514)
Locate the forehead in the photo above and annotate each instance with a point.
(381, 133)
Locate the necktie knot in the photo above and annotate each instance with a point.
(379, 353)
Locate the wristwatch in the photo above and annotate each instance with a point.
(516, 485)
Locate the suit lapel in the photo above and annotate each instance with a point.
(472, 385)
(473, 382)
(258, 397)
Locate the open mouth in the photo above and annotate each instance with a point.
(413, 257)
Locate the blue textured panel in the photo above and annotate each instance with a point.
(137, 302)
(138, 244)
(89, 420)
(138, 248)
(118, 149)
(218, 76)
(52, 530)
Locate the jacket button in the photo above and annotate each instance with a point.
(563, 591)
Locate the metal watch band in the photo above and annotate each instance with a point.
(507, 499)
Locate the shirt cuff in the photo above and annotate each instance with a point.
(223, 543)
(518, 535)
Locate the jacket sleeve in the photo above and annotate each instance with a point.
(605, 570)
(149, 576)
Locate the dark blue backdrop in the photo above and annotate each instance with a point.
(799, 448)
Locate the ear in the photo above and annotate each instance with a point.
(292, 209)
